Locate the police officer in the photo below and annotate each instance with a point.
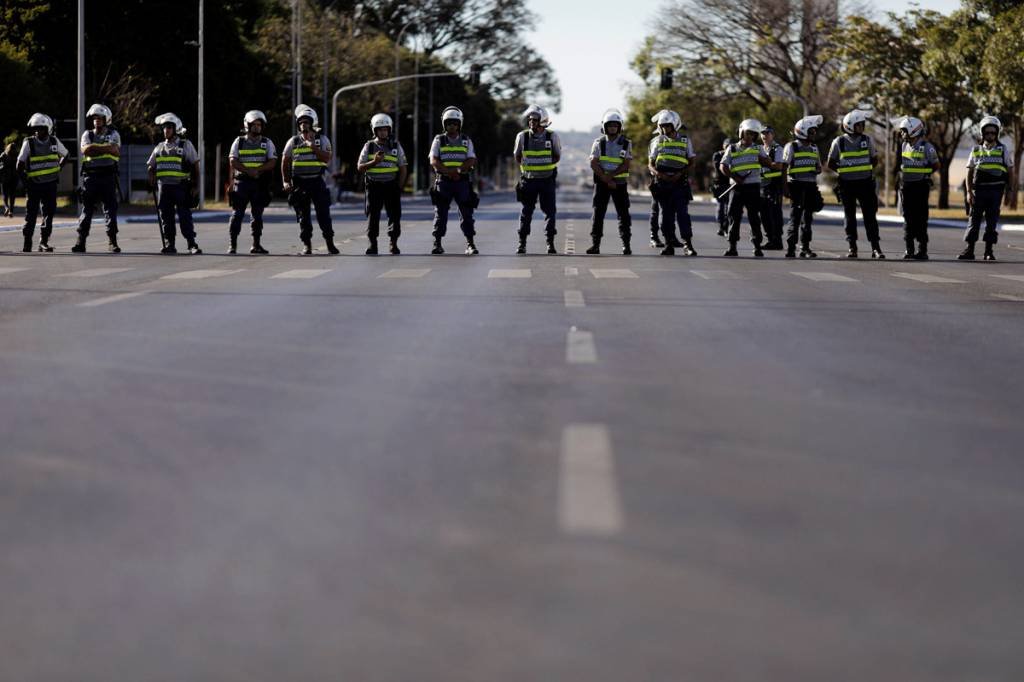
(383, 161)
(656, 242)
(852, 156)
(538, 151)
(39, 163)
(668, 160)
(801, 164)
(610, 157)
(742, 163)
(918, 160)
(304, 160)
(453, 159)
(771, 192)
(253, 158)
(101, 152)
(988, 172)
(171, 166)
(719, 185)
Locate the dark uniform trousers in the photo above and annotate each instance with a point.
(864, 193)
(101, 187)
(620, 197)
(914, 203)
(40, 195)
(460, 191)
(723, 206)
(534, 189)
(771, 212)
(800, 214)
(745, 197)
(176, 200)
(674, 205)
(383, 196)
(313, 195)
(247, 192)
(987, 202)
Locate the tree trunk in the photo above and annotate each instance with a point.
(944, 165)
(1018, 150)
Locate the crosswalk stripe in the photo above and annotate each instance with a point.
(824, 277)
(574, 299)
(579, 347)
(7, 271)
(927, 279)
(509, 274)
(201, 274)
(589, 502)
(716, 274)
(1015, 278)
(404, 273)
(111, 299)
(613, 273)
(93, 272)
(299, 274)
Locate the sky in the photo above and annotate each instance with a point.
(590, 45)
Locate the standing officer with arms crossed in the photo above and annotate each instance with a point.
(610, 157)
(453, 159)
(39, 163)
(171, 165)
(852, 156)
(742, 164)
(101, 153)
(304, 160)
(383, 161)
(988, 173)
(719, 185)
(252, 158)
(668, 161)
(801, 164)
(918, 160)
(771, 192)
(537, 151)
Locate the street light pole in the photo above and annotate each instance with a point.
(200, 142)
(80, 112)
(398, 54)
(416, 127)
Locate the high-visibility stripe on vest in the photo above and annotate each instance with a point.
(100, 162)
(538, 156)
(991, 167)
(671, 154)
(43, 160)
(387, 169)
(305, 163)
(738, 161)
(453, 155)
(854, 164)
(914, 162)
(613, 154)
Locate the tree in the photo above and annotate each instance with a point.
(1004, 75)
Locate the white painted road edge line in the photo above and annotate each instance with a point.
(579, 347)
(111, 299)
(574, 299)
(588, 494)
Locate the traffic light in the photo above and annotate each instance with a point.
(474, 74)
(666, 78)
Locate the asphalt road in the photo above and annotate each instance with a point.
(499, 468)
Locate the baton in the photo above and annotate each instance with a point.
(159, 219)
(731, 188)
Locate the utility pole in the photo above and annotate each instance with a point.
(80, 112)
(200, 142)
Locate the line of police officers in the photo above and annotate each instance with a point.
(751, 175)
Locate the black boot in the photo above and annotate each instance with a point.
(393, 247)
(471, 249)
(669, 250)
(909, 253)
(307, 247)
(876, 251)
(112, 244)
(44, 247)
(656, 242)
(595, 248)
(331, 248)
(922, 252)
(438, 249)
(968, 252)
(521, 249)
(731, 251)
(551, 246)
(27, 247)
(626, 250)
(758, 253)
(688, 249)
(852, 253)
(805, 252)
(233, 244)
(371, 250)
(257, 247)
(79, 246)
(169, 247)
(791, 251)
(988, 253)
(193, 248)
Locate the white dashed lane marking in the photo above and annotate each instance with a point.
(299, 274)
(510, 274)
(927, 279)
(580, 348)
(716, 274)
(94, 272)
(613, 273)
(111, 299)
(574, 299)
(588, 494)
(7, 271)
(1015, 278)
(201, 274)
(404, 273)
(1009, 297)
(572, 272)
(824, 277)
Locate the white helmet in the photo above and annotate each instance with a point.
(303, 111)
(913, 126)
(990, 121)
(802, 128)
(726, 143)
(667, 117)
(100, 110)
(380, 121)
(539, 112)
(751, 124)
(853, 118)
(253, 116)
(452, 114)
(164, 119)
(611, 116)
(41, 121)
